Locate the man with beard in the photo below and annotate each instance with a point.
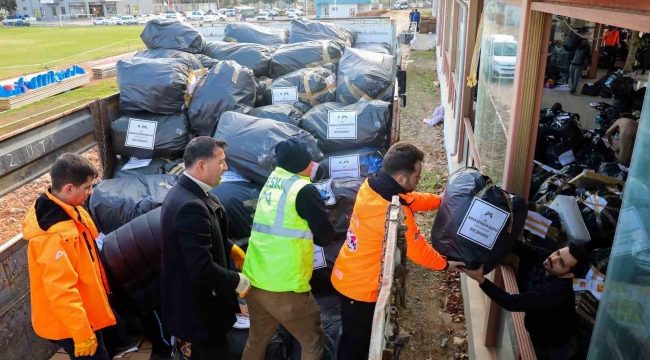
(550, 303)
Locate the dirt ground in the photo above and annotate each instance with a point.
(14, 205)
(434, 313)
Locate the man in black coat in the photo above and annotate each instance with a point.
(199, 302)
(550, 303)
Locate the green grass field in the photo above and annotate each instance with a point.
(38, 45)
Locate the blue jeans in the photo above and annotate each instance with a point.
(101, 354)
(575, 73)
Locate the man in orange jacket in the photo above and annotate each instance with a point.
(356, 271)
(68, 284)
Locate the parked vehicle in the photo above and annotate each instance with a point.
(214, 17)
(401, 4)
(128, 20)
(143, 19)
(502, 55)
(116, 20)
(293, 16)
(15, 22)
(174, 15)
(230, 12)
(244, 12)
(196, 15)
(263, 15)
(296, 12)
(110, 21)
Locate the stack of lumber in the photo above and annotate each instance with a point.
(427, 24)
(44, 92)
(104, 71)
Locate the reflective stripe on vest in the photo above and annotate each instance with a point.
(280, 251)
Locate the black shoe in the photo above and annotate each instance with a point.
(128, 343)
(572, 92)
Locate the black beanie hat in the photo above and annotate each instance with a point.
(292, 155)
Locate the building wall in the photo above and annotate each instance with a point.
(343, 10)
(66, 7)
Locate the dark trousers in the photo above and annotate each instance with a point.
(101, 354)
(215, 348)
(565, 352)
(356, 317)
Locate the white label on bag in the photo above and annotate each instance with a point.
(134, 163)
(607, 143)
(284, 95)
(537, 224)
(141, 134)
(596, 203)
(325, 188)
(330, 79)
(231, 176)
(344, 166)
(319, 258)
(483, 223)
(342, 125)
(567, 158)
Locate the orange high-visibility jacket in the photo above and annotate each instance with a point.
(611, 38)
(68, 285)
(356, 270)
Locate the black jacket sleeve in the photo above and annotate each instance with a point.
(311, 207)
(192, 223)
(545, 296)
(530, 254)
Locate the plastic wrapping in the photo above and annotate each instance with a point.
(352, 163)
(365, 75)
(330, 317)
(253, 56)
(283, 113)
(206, 61)
(314, 86)
(158, 86)
(227, 87)
(599, 210)
(345, 194)
(237, 338)
(156, 166)
(252, 141)
(477, 222)
(535, 228)
(254, 34)
(338, 126)
(261, 84)
(308, 30)
(291, 57)
(600, 259)
(171, 54)
(572, 224)
(590, 157)
(115, 202)
(382, 48)
(552, 187)
(132, 256)
(172, 35)
(240, 200)
(540, 175)
(612, 169)
(169, 140)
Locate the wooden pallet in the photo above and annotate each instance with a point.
(44, 92)
(104, 71)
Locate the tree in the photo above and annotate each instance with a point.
(226, 4)
(9, 5)
(631, 55)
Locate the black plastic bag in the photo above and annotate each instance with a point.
(170, 137)
(172, 35)
(227, 87)
(540, 175)
(252, 141)
(237, 338)
(158, 86)
(156, 166)
(344, 191)
(240, 200)
(338, 126)
(571, 171)
(532, 231)
(291, 57)
(352, 163)
(253, 56)
(365, 75)
(115, 202)
(314, 86)
(590, 157)
(382, 48)
(330, 317)
(599, 210)
(600, 259)
(308, 30)
(254, 34)
(283, 113)
(552, 187)
(612, 169)
(476, 208)
(261, 84)
(171, 54)
(321, 279)
(206, 61)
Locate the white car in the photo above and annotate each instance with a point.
(263, 15)
(293, 16)
(110, 21)
(175, 16)
(128, 20)
(294, 12)
(99, 21)
(502, 53)
(143, 19)
(116, 20)
(214, 17)
(196, 16)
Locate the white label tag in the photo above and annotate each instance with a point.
(546, 167)
(231, 176)
(344, 166)
(342, 125)
(483, 223)
(141, 134)
(596, 203)
(325, 188)
(319, 258)
(567, 158)
(537, 224)
(607, 143)
(134, 163)
(285, 95)
(561, 184)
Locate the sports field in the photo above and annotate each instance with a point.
(47, 47)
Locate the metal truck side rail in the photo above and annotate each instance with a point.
(386, 341)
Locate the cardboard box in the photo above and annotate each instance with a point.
(590, 180)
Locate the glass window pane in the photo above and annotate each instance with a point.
(622, 329)
(495, 85)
